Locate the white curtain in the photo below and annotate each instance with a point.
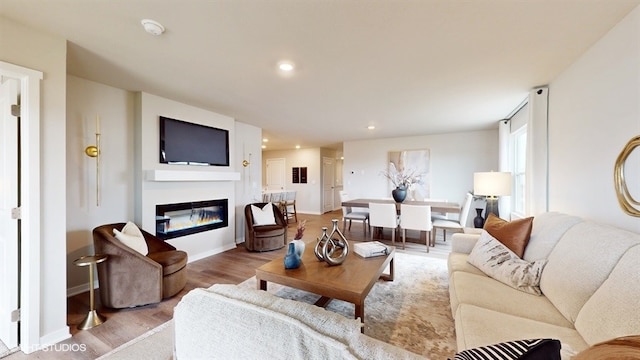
(537, 166)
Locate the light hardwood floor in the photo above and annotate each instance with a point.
(231, 267)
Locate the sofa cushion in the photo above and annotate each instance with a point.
(615, 306)
(132, 237)
(291, 337)
(513, 234)
(497, 261)
(458, 262)
(476, 326)
(547, 229)
(580, 262)
(483, 291)
(529, 349)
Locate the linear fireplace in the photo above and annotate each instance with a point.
(180, 219)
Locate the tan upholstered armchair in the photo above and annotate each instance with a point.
(264, 237)
(129, 278)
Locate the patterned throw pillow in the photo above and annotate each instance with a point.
(500, 263)
(513, 234)
(534, 349)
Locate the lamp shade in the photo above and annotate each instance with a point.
(492, 183)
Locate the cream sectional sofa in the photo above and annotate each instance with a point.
(232, 322)
(590, 286)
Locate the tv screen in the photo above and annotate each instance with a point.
(187, 143)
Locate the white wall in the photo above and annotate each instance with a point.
(454, 159)
(150, 193)
(249, 189)
(594, 110)
(309, 195)
(115, 106)
(33, 49)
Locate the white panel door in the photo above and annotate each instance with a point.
(9, 188)
(275, 174)
(328, 184)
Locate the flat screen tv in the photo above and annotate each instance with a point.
(187, 143)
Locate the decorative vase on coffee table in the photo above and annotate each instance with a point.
(299, 245)
(399, 193)
(292, 259)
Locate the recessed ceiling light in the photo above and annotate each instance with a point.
(152, 27)
(371, 127)
(265, 140)
(297, 146)
(285, 66)
(264, 146)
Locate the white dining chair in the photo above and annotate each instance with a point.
(416, 217)
(438, 215)
(383, 216)
(349, 215)
(456, 225)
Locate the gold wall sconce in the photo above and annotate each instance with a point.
(630, 205)
(94, 152)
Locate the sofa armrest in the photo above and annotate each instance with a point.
(463, 243)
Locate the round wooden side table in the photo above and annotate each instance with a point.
(92, 319)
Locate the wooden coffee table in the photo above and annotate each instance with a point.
(349, 282)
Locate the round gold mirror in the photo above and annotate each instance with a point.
(626, 200)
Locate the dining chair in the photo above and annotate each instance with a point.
(384, 216)
(290, 206)
(349, 215)
(457, 225)
(416, 217)
(438, 215)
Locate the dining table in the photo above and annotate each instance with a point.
(436, 206)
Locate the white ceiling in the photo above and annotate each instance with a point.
(407, 67)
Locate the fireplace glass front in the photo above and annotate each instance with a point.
(180, 219)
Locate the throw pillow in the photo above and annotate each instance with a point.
(132, 237)
(627, 347)
(534, 349)
(500, 263)
(513, 234)
(263, 216)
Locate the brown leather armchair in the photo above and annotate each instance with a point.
(128, 278)
(264, 237)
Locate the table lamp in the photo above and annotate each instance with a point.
(492, 185)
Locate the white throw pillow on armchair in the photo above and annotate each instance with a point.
(132, 237)
(263, 216)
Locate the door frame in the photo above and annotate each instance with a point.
(29, 272)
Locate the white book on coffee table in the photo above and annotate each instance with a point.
(370, 249)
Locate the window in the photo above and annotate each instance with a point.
(519, 153)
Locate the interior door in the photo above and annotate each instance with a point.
(9, 187)
(328, 184)
(275, 174)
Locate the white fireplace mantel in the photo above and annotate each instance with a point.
(190, 175)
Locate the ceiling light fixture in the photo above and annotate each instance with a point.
(285, 66)
(152, 27)
(297, 146)
(371, 127)
(265, 140)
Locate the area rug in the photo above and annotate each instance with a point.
(411, 312)
(155, 344)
